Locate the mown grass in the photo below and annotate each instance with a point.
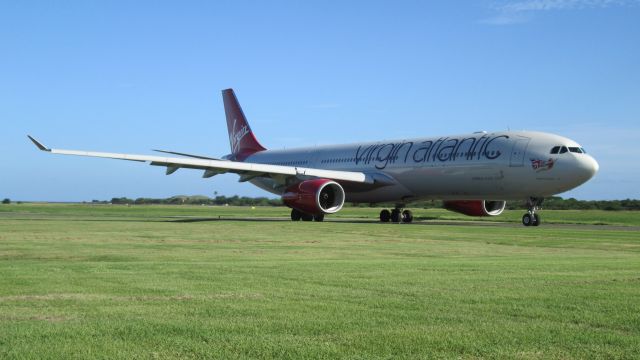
(592, 217)
(81, 281)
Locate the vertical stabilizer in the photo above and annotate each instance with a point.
(243, 142)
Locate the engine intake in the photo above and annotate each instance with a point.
(316, 196)
(476, 207)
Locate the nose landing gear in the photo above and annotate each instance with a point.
(531, 218)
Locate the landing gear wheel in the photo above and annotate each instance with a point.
(385, 215)
(531, 218)
(395, 215)
(307, 217)
(536, 220)
(319, 217)
(407, 216)
(295, 215)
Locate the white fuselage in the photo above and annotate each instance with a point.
(511, 165)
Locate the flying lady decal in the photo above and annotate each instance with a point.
(237, 135)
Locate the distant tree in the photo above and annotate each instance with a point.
(6, 201)
(121, 200)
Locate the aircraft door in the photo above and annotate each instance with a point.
(518, 150)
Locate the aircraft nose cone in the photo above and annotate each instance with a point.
(595, 165)
(588, 167)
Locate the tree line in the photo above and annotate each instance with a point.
(552, 203)
(200, 200)
(558, 203)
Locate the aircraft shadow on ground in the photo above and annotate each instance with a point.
(186, 220)
(423, 222)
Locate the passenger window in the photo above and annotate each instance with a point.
(563, 150)
(555, 149)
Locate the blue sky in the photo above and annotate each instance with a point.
(132, 76)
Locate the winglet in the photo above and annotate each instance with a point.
(38, 144)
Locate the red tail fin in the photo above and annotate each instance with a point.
(243, 142)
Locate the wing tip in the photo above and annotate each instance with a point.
(38, 144)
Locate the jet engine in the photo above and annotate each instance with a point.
(316, 196)
(476, 207)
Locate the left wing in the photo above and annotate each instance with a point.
(212, 167)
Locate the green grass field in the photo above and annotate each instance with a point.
(83, 281)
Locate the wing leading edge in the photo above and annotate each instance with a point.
(212, 167)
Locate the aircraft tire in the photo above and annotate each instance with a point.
(385, 215)
(536, 220)
(395, 215)
(318, 218)
(296, 215)
(307, 217)
(407, 216)
(527, 220)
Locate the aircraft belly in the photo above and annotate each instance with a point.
(448, 183)
(454, 182)
(391, 193)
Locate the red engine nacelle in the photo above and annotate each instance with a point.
(316, 196)
(476, 207)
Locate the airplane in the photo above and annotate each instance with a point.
(474, 174)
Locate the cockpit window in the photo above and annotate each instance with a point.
(563, 150)
(583, 150)
(575, 150)
(555, 149)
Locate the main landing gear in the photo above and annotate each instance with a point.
(531, 218)
(396, 215)
(297, 215)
